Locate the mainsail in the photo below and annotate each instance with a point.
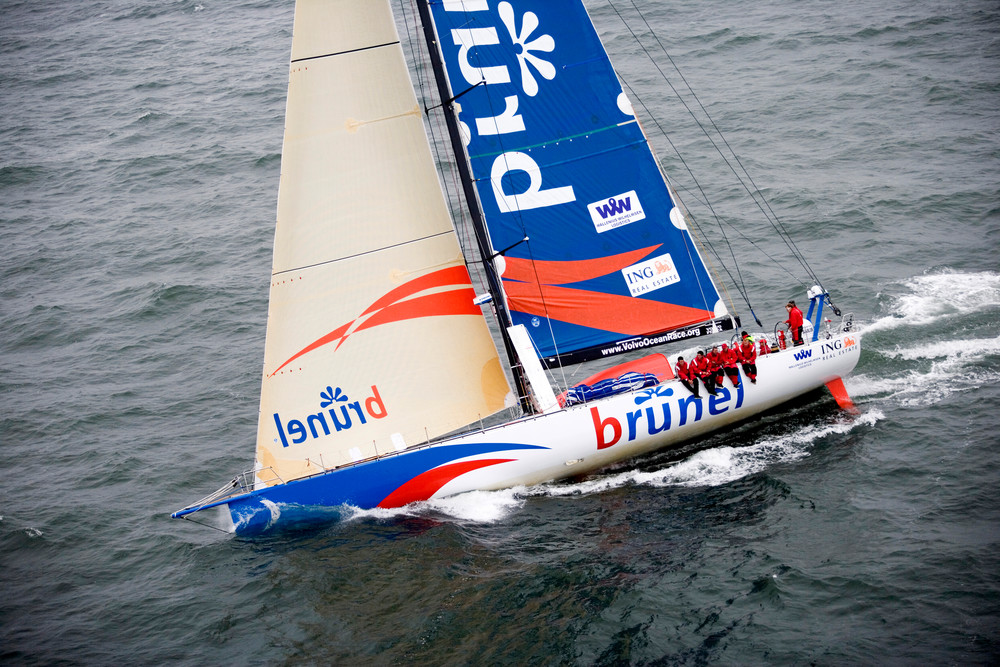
(373, 340)
(594, 255)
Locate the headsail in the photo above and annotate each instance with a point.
(373, 340)
(559, 159)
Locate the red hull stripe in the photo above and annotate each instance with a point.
(427, 484)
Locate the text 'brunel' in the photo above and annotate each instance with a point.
(341, 411)
(527, 46)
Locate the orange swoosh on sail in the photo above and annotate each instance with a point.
(534, 288)
(391, 307)
(562, 272)
(610, 312)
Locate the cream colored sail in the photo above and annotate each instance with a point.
(373, 342)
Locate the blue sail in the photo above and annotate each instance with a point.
(558, 157)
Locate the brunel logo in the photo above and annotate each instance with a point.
(658, 411)
(342, 413)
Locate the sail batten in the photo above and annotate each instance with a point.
(341, 53)
(367, 252)
(556, 141)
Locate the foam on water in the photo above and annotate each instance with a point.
(473, 507)
(138, 207)
(942, 369)
(939, 295)
(722, 465)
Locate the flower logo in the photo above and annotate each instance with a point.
(543, 43)
(647, 394)
(329, 396)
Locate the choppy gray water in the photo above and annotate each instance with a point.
(141, 151)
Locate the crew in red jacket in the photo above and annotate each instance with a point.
(715, 364)
(701, 367)
(730, 359)
(794, 322)
(687, 377)
(765, 348)
(748, 355)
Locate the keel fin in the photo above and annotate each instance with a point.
(836, 387)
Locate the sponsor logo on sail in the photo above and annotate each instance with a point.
(616, 211)
(650, 275)
(531, 47)
(337, 413)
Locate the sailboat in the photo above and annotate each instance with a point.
(383, 383)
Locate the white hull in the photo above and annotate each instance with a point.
(571, 436)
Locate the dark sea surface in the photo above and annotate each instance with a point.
(138, 178)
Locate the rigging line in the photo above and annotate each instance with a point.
(652, 60)
(524, 233)
(689, 242)
(711, 268)
(781, 232)
(704, 200)
(773, 219)
(737, 230)
(207, 525)
(483, 243)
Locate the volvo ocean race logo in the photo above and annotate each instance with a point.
(650, 275)
(616, 211)
(337, 413)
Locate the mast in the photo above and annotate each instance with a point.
(486, 253)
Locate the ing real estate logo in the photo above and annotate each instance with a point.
(650, 275)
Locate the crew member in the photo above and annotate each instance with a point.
(715, 365)
(700, 366)
(748, 355)
(730, 360)
(794, 322)
(687, 377)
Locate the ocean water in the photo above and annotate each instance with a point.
(141, 153)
